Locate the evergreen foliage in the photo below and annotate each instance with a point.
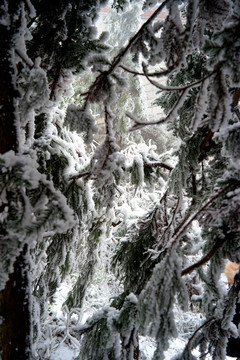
(62, 197)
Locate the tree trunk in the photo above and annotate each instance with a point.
(14, 298)
(15, 311)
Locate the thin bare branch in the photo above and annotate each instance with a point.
(78, 176)
(122, 53)
(235, 107)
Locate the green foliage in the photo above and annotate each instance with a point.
(131, 254)
(63, 35)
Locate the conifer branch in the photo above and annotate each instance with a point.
(205, 258)
(182, 228)
(174, 88)
(139, 124)
(156, 73)
(158, 164)
(101, 80)
(196, 331)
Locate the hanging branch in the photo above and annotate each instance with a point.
(205, 258)
(172, 113)
(100, 81)
(174, 88)
(158, 164)
(182, 229)
(195, 333)
(157, 73)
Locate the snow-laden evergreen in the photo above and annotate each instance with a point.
(161, 225)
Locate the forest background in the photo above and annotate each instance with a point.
(153, 202)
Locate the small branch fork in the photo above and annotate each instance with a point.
(139, 124)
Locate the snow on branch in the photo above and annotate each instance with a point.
(170, 116)
(102, 84)
(174, 88)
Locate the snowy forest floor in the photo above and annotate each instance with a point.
(99, 294)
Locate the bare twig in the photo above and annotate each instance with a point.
(235, 102)
(78, 176)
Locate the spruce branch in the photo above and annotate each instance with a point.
(156, 73)
(98, 86)
(181, 229)
(158, 164)
(174, 88)
(205, 258)
(171, 115)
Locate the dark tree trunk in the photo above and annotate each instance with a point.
(14, 298)
(14, 309)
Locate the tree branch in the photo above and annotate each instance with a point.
(205, 258)
(173, 112)
(181, 228)
(196, 331)
(98, 84)
(158, 164)
(174, 88)
(122, 53)
(157, 74)
(235, 102)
